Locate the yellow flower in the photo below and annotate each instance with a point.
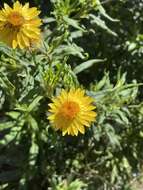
(19, 26)
(72, 111)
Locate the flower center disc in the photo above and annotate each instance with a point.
(15, 19)
(69, 110)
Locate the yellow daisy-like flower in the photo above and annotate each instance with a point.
(72, 111)
(19, 26)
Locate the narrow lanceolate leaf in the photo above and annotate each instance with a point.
(6, 125)
(73, 23)
(71, 49)
(6, 84)
(86, 65)
(103, 12)
(7, 51)
(34, 149)
(101, 24)
(34, 103)
(13, 114)
(33, 123)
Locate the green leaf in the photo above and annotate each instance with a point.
(103, 12)
(6, 125)
(7, 51)
(102, 82)
(34, 149)
(114, 173)
(73, 23)
(71, 49)
(122, 115)
(9, 137)
(13, 114)
(33, 123)
(86, 65)
(101, 24)
(6, 84)
(113, 138)
(34, 103)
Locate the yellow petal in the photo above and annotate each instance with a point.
(75, 130)
(64, 132)
(20, 41)
(25, 40)
(51, 117)
(25, 7)
(2, 17)
(7, 7)
(81, 129)
(17, 6)
(33, 12)
(31, 33)
(14, 44)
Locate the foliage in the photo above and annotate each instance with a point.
(82, 47)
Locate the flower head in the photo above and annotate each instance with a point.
(19, 26)
(72, 111)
